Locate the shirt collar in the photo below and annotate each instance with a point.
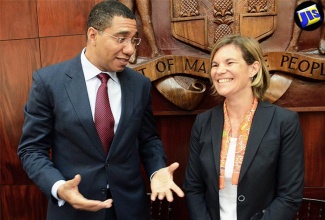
(91, 71)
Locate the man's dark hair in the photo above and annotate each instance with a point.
(102, 14)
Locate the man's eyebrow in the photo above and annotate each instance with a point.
(126, 33)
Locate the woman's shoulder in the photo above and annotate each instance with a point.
(212, 112)
(279, 111)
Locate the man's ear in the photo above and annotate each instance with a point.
(92, 34)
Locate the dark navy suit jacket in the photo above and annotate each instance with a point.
(272, 174)
(58, 119)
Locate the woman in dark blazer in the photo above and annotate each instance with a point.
(246, 155)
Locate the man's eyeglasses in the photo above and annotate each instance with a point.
(126, 40)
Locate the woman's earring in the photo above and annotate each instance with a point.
(253, 77)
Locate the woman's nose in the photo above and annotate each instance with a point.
(221, 70)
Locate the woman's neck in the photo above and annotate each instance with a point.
(237, 109)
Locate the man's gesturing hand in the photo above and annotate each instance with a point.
(69, 192)
(162, 184)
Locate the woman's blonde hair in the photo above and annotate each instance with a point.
(252, 52)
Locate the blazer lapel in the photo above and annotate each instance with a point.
(261, 121)
(77, 91)
(216, 132)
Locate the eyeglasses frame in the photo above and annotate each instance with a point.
(124, 40)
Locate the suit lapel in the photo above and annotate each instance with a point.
(127, 88)
(77, 91)
(261, 121)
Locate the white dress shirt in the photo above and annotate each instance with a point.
(228, 195)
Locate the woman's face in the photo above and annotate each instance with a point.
(230, 73)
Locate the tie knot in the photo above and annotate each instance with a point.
(103, 77)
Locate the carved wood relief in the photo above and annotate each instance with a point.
(184, 30)
(293, 45)
(217, 18)
(223, 17)
(200, 23)
(189, 8)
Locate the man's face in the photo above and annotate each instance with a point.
(106, 51)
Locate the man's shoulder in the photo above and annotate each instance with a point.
(135, 75)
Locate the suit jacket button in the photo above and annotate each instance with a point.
(241, 198)
(107, 165)
(103, 191)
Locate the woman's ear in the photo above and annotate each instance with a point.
(255, 68)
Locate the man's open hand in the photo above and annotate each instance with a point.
(69, 192)
(162, 184)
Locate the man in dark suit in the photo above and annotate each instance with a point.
(80, 179)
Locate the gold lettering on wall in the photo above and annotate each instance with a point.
(164, 72)
(302, 64)
(172, 65)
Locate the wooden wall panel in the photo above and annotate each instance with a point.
(175, 132)
(57, 18)
(313, 125)
(65, 20)
(53, 31)
(58, 49)
(18, 59)
(24, 202)
(18, 19)
(314, 192)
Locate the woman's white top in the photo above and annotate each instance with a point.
(228, 195)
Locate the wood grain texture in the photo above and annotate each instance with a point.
(37, 33)
(313, 126)
(314, 192)
(57, 49)
(22, 202)
(19, 58)
(67, 17)
(18, 19)
(175, 132)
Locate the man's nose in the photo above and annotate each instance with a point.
(129, 49)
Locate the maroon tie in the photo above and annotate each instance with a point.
(104, 120)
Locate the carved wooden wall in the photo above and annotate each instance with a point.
(38, 33)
